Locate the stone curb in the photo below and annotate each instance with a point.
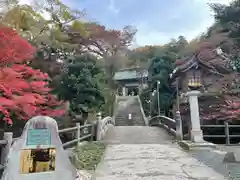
(188, 145)
(228, 157)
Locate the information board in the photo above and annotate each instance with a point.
(38, 137)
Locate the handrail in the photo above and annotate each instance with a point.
(164, 117)
(175, 129)
(160, 122)
(103, 126)
(67, 129)
(78, 138)
(3, 142)
(142, 112)
(115, 107)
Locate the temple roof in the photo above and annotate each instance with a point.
(215, 63)
(188, 64)
(130, 74)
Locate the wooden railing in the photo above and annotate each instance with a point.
(174, 126)
(79, 136)
(226, 128)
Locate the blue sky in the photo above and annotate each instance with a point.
(157, 21)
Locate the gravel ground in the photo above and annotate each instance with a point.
(84, 175)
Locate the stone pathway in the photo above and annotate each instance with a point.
(137, 135)
(156, 158)
(214, 159)
(151, 162)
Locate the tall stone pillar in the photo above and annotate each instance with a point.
(196, 132)
(124, 91)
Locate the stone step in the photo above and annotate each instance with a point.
(126, 107)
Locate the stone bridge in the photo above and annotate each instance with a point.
(140, 148)
(138, 151)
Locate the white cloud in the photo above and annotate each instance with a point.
(215, 1)
(30, 2)
(25, 2)
(148, 36)
(112, 7)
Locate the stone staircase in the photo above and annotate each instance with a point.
(125, 106)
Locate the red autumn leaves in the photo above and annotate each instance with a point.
(232, 109)
(24, 91)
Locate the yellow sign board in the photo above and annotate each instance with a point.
(37, 160)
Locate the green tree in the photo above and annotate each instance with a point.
(176, 45)
(141, 56)
(79, 85)
(228, 17)
(159, 69)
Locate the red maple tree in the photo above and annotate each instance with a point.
(231, 109)
(24, 91)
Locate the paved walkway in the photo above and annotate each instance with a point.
(148, 153)
(137, 135)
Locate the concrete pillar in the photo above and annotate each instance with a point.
(196, 132)
(99, 126)
(78, 133)
(179, 132)
(124, 91)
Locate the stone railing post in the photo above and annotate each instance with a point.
(123, 91)
(78, 133)
(196, 132)
(99, 126)
(8, 136)
(99, 116)
(179, 132)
